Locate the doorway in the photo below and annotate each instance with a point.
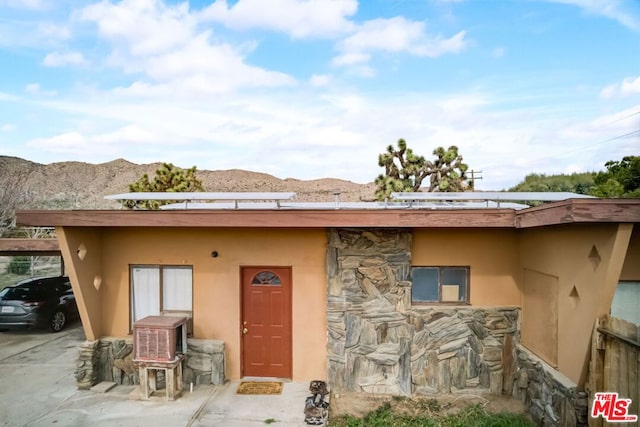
(266, 322)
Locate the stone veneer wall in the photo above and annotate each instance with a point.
(111, 359)
(379, 343)
(551, 398)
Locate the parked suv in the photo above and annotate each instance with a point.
(42, 302)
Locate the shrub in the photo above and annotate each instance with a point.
(19, 265)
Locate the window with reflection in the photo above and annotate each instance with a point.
(266, 278)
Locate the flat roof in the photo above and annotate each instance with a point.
(445, 204)
(548, 196)
(584, 210)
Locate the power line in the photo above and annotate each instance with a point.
(621, 118)
(637, 131)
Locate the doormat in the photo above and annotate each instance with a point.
(259, 387)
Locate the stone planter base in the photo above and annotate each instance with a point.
(111, 359)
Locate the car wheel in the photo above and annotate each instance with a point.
(58, 320)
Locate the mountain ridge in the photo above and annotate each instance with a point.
(81, 185)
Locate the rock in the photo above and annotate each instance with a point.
(492, 354)
(126, 365)
(386, 354)
(495, 378)
(453, 345)
(375, 261)
(472, 367)
(458, 372)
(197, 345)
(444, 377)
(349, 262)
(448, 355)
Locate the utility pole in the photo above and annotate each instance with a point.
(473, 177)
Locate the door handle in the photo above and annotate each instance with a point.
(245, 330)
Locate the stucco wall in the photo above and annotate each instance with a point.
(81, 249)
(491, 254)
(567, 253)
(631, 267)
(216, 283)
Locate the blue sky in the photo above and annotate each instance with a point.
(318, 88)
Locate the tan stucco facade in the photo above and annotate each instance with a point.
(563, 277)
(216, 281)
(580, 265)
(491, 255)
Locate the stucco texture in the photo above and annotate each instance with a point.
(216, 281)
(582, 266)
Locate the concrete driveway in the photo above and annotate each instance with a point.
(37, 388)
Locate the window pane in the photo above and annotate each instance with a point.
(266, 278)
(177, 288)
(145, 290)
(425, 284)
(454, 284)
(626, 302)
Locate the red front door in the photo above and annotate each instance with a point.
(266, 322)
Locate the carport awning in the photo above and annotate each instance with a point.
(14, 247)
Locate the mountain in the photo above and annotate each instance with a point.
(78, 185)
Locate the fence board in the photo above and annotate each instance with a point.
(615, 362)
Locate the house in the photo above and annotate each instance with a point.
(416, 296)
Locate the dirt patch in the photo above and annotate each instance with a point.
(360, 404)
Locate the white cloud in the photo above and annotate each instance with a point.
(102, 145)
(319, 80)
(613, 9)
(395, 35)
(32, 33)
(66, 143)
(35, 89)
(350, 58)
(50, 30)
(26, 4)
(56, 59)
(142, 27)
(628, 86)
(297, 18)
(165, 45)
(7, 127)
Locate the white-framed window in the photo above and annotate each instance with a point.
(437, 284)
(161, 289)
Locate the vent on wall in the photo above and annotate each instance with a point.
(594, 257)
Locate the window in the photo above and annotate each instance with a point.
(626, 301)
(440, 284)
(159, 290)
(266, 278)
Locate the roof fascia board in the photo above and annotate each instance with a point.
(14, 247)
(580, 211)
(279, 218)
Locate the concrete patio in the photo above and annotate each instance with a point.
(38, 389)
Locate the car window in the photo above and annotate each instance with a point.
(19, 293)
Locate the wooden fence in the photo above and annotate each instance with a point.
(615, 363)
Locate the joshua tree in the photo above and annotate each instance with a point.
(405, 171)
